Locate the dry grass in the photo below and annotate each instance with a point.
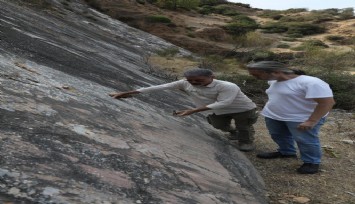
(334, 184)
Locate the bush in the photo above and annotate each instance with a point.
(283, 45)
(328, 61)
(158, 19)
(274, 28)
(212, 2)
(304, 28)
(295, 35)
(252, 87)
(174, 4)
(296, 10)
(342, 84)
(188, 4)
(252, 39)
(290, 39)
(168, 52)
(270, 14)
(261, 55)
(347, 13)
(241, 24)
(311, 44)
(225, 9)
(205, 10)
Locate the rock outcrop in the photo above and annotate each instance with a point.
(64, 140)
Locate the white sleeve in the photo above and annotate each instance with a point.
(225, 97)
(172, 85)
(319, 89)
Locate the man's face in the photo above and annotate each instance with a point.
(259, 74)
(199, 80)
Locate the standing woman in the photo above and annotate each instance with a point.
(295, 111)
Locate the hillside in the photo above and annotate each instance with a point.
(205, 33)
(226, 36)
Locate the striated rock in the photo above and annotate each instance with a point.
(64, 140)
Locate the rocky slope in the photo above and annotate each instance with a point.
(63, 140)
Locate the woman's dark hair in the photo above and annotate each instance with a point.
(298, 72)
(271, 66)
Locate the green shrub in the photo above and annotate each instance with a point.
(335, 38)
(252, 87)
(261, 55)
(296, 10)
(342, 40)
(206, 9)
(241, 24)
(252, 39)
(342, 84)
(270, 14)
(295, 35)
(168, 52)
(304, 28)
(290, 39)
(212, 2)
(275, 27)
(283, 45)
(225, 9)
(158, 19)
(174, 4)
(300, 28)
(188, 4)
(347, 13)
(328, 61)
(311, 44)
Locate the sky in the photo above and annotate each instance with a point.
(308, 4)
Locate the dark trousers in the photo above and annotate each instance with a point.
(243, 122)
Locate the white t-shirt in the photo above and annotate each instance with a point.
(221, 97)
(291, 100)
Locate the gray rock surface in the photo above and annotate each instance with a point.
(64, 140)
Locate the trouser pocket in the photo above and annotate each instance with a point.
(253, 118)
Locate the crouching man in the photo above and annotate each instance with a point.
(223, 99)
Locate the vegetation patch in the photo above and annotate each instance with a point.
(240, 25)
(168, 52)
(311, 44)
(158, 19)
(252, 39)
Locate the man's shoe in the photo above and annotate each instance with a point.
(308, 168)
(274, 155)
(246, 147)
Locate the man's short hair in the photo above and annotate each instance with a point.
(269, 66)
(198, 72)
